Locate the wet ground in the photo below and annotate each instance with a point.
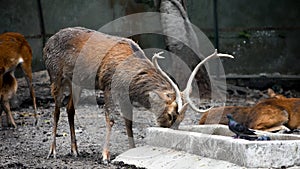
(28, 145)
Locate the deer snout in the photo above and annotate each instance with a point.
(167, 119)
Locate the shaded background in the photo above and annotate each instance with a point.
(262, 35)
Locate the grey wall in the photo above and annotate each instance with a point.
(273, 28)
(263, 35)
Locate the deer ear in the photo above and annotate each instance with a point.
(271, 93)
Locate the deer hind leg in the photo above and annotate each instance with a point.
(26, 69)
(71, 114)
(270, 119)
(1, 110)
(5, 106)
(109, 120)
(76, 92)
(280, 128)
(56, 114)
(57, 94)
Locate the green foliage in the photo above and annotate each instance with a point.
(244, 34)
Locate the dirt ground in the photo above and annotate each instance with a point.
(28, 145)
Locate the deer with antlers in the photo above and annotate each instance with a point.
(271, 114)
(14, 52)
(121, 70)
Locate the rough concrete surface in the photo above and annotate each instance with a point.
(28, 146)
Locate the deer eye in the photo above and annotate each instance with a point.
(170, 117)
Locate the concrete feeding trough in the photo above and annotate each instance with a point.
(216, 141)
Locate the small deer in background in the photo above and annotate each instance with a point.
(272, 114)
(121, 70)
(14, 52)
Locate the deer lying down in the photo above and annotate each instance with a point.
(14, 52)
(122, 70)
(272, 114)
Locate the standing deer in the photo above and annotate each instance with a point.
(272, 114)
(121, 70)
(14, 52)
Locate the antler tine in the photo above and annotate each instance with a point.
(188, 88)
(224, 55)
(157, 55)
(177, 91)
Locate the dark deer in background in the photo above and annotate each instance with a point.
(272, 114)
(14, 52)
(121, 70)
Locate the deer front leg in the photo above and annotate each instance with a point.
(56, 114)
(128, 124)
(109, 108)
(126, 109)
(105, 153)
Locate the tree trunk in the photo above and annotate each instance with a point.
(185, 45)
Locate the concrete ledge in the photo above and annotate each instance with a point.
(209, 141)
(222, 130)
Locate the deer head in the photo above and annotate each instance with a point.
(175, 110)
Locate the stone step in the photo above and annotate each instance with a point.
(151, 157)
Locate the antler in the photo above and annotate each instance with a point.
(188, 89)
(177, 91)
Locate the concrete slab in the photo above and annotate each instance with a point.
(209, 141)
(164, 158)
